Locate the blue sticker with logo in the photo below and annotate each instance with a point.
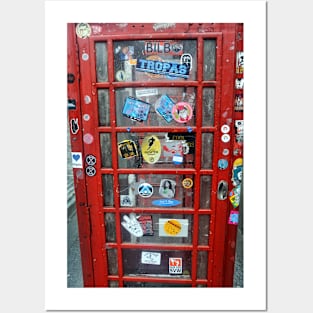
(222, 164)
(166, 202)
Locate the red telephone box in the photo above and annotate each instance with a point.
(156, 127)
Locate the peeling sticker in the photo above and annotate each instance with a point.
(158, 26)
(153, 258)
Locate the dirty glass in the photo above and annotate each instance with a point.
(209, 60)
(204, 229)
(207, 150)
(106, 150)
(171, 106)
(112, 261)
(107, 186)
(101, 61)
(104, 107)
(155, 60)
(159, 228)
(110, 227)
(152, 190)
(208, 106)
(202, 264)
(155, 150)
(157, 263)
(205, 191)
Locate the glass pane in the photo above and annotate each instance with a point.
(204, 227)
(107, 185)
(159, 263)
(154, 284)
(157, 228)
(155, 60)
(202, 264)
(110, 228)
(101, 61)
(106, 150)
(205, 191)
(208, 107)
(209, 60)
(156, 150)
(112, 261)
(172, 106)
(151, 190)
(207, 150)
(104, 107)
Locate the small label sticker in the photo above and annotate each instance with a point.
(178, 159)
(222, 164)
(151, 149)
(77, 160)
(173, 227)
(225, 129)
(233, 218)
(126, 201)
(182, 112)
(167, 188)
(166, 202)
(145, 190)
(175, 265)
(90, 171)
(146, 224)
(187, 183)
(83, 30)
(127, 149)
(91, 159)
(225, 138)
(146, 92)
(136, 109)
(120, 76)
(153, 258)
(186, 59)
(234, 196)
(239, 62)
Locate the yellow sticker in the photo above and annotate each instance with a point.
(172, 227)
(151, 149)
(187, 183)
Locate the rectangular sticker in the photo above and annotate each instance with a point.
(153, 258)
(175, 265)
(146, 92)
(136, 109)
(77, 160)
(173, 227)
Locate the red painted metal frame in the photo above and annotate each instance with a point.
(220, 270)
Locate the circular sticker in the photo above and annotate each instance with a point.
(222, 164)
(87, 99)
(88, 139)
(120, 76)
(83, 30)
(90, 171)
(225, 138)
(182, 112)
(225, 129)
(85, 56)
(225, 152)
(172, 227)
(91, 159)
(187, 183)
(86, 117)
(145, 190)
(151, 149)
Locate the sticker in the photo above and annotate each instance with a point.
(162, 68)
(151, 149)
(132, 225)
(239, 130)
(145, 190)
(83, 30)
(238, 103)
(237, 172)
(90, 171)
(87, 99)
(91, 159)
(225, 138)
(164, 106)
(233, 218)
(187, 183)
(172, 147)
(234, 196)
(166, 202)
(225, 152)
(239, 62)
(186, 59)
(182, 112)
(77, 161)
(127, 149)
(163, 47)
(239, 83)
(153, 258)
(120, 76)
(222, 190)
(74, 126)
(175, 265)
(85, 56)
(135, 109)
(146, 224)
(237, 149)
(167, 188)
(126, 200)
(173, 227)
(178, 159)
(225, 129)
(125, 53)
(71, 104)
(222, 164)
(146, 92)
(190, 140)
(88, 138)
(86, 117)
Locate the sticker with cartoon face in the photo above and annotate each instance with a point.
(167, 188)
(237, 172)
(182, 112)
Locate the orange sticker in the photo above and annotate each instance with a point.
(187, 183)
(172, 227)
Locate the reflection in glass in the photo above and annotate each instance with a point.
(207, 150)
(104, 107)
(101, 62)
(107, 185)
(209, 61)
(205, 191)
(106, 150)
(208, 107)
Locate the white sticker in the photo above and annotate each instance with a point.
(77, 160)
(225, 138)
(146, 92)
(148, 257)
(173, 227)
(225, 129)
(175, 265)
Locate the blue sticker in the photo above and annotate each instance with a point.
(222, 164)
(136, 109)
(164, 107)
(166, 202)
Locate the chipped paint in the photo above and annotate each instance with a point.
(122, 25)
(158, 26)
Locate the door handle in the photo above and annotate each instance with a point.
(222, 190)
